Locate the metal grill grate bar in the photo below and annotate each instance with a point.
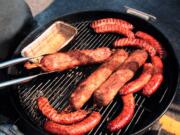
(163, 95)
(102, 113)
(34, 97)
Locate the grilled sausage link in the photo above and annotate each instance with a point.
(125, 116)
(140, 82)
(137, 43)
(113, 28)
(76, 129)
(113, 21)
(152, 86)
(85, 89)
(152, 41)
(63, 61)
(158, 64)
(62, 118)
(107, 91)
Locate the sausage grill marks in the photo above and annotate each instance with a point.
(126, 114)
(107, 91)
(152, 41)
(136, 43)
(63, 117)
(113, 21)
(114, 29)
(86, 88)
(140, 82)
(114, 26)
(76, 129)
(157, 78)
(68, 60)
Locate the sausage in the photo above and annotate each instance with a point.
(152, 86)
(76, 129)
(114, 21)
(125, 116)
(152, 41)
(137, 43)
(63, 117)
(85, 89)
(113, 28)
(158, 64)
(29, 65)
(68, 60)
(140, 82)
(107, 91)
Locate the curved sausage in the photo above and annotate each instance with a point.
(152, 41)
(137, 43)
(62, 118)
(108, 90)
(76, 129)
(140, 82)
(158, 64)
(68, 60)
(85, 89)
(113, 28)
(152, 86)
(125, 116)
(114, 21)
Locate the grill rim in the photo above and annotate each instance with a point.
(39, 30)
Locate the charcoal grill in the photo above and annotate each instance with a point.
(57, 87)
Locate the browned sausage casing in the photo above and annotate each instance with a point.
(113, 21)
(62, 118)
(137, 43)
(85, 89)
(113, 28)
(107, 91)
(125, 116)
(152, 41)
(76, 129)
(68, 60)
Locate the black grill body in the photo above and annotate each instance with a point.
(57, 87)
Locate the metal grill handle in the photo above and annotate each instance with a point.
(140, 14)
